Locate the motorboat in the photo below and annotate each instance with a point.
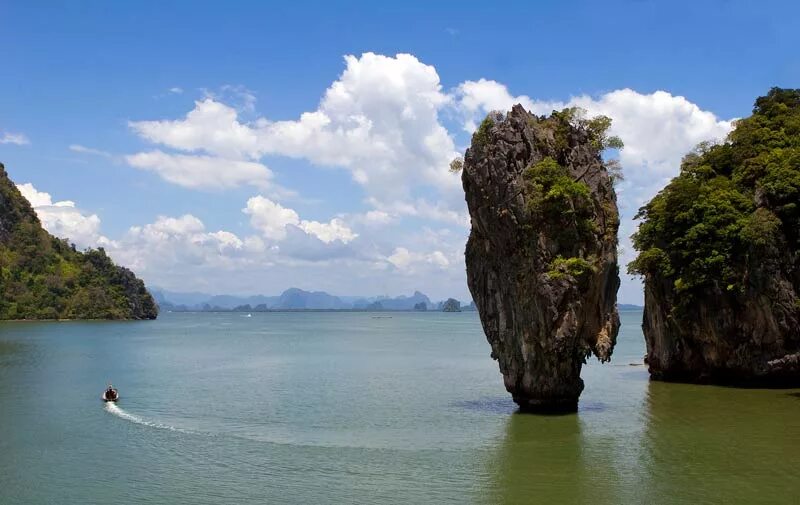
(110, 395)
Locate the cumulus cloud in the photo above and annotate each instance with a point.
(476, 98)
(200, 171)
(180, 253)
(379, 121)
(173, 241)
(211, 126)
(408, 261)
(273, 219)
(14, 138)
(63, 219)
(269, 217)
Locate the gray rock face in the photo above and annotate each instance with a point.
(541, 258)
(724, 337)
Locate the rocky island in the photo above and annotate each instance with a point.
(43, 277)
(719, 250)
(542, 251)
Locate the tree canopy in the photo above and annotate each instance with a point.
(43, 277)
(732, 203)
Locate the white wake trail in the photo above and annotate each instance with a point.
(113, 408)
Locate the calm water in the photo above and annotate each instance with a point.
(345, 408)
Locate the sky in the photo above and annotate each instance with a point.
(249, 147)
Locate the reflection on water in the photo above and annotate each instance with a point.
(539, 461)
(567, 459)
(686, 444)
(711, 444)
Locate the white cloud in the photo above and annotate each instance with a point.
(88, 150)
(408, 262)
(200, 171)
(372, 218)
(63, 219)
(179, 253)
(14, 138)
(211, 126)
(272, 219)
(477, 98)
(379, 121)
(424, 209)
(335, 229)
(176, 90)
(171, 247)
(38, 198)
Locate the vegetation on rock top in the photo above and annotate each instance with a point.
(732, 204)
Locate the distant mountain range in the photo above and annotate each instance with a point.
(298, 299)
(293, 299)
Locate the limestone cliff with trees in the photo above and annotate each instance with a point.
(43, 277)
(719, 251)
(542, 252)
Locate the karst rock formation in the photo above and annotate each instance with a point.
(542, 252)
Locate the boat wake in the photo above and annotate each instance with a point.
(114, 409)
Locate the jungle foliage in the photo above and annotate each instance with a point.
(43, 277)
(732, 204)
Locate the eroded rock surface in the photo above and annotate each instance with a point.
(542, 252)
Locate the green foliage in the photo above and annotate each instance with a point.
(597, 127)
(575, 267)
(559, 202)
(598, 131)
(456, 165)
(42, 277)
(760, 229)
(481, 135)
(729, 203)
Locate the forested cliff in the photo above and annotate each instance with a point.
(43, 277)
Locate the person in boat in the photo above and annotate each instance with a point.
(110, 393)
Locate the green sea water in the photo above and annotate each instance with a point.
(305, 408)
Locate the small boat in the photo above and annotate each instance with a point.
(110, 395)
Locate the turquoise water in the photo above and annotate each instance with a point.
(346, 408)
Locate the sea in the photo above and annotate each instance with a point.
(362, 407)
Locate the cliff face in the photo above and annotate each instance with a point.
(542, 252)
(720, 255)
(42, 277)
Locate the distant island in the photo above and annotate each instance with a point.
(43, 277)
(295, 299)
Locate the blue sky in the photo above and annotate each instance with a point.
(91, 90)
